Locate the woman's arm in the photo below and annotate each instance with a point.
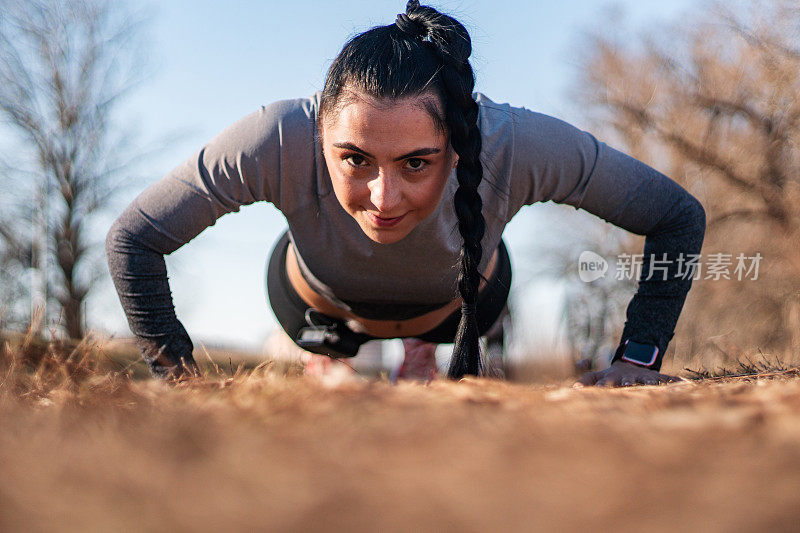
(556, 161)
(135, 251)
(245, 163)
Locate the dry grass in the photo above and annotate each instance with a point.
(84, 446)
(763, 367)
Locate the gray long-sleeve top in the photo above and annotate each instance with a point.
(274, 155)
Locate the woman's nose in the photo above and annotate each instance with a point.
(384, 192)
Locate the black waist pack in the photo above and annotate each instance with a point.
(329, 336)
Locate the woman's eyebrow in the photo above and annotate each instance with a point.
(416, 153)
(419, 152)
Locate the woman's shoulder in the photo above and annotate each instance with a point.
(526, 152)
(496, 116)
(302, 108)
(499, 124)
(248, 160)
(287, 116)
(528, 133)
(269, 129)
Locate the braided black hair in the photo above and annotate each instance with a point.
(425, 50)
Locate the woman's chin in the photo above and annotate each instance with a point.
(385, 235)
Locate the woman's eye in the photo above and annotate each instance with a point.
(356, 160)
(416, 164)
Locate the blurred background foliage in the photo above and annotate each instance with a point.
(710, 100)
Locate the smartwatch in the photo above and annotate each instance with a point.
(637, 353)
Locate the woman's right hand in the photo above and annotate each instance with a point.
(169, 357)
(622, 374)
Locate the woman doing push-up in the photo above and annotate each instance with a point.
(396, 181)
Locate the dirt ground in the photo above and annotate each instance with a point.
(86, 450)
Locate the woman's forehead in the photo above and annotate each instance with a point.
(382, 120)
(397, 121)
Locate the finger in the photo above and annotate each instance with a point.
(664, 378)
(626, 381)
(607, 382)
(650, 380)
(587, 380)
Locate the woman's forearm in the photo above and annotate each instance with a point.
(653, 312)
(140, 277)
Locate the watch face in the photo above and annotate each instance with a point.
(639, 354)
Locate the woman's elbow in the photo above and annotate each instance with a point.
(113, 238)
(699, 216)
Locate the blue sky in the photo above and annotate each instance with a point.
(213, 62)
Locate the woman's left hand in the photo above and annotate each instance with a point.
(622, 374)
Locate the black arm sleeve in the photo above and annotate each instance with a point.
(140, 277)
(556, 161)
(653, 312)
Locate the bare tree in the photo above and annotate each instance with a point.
(713, 102)
(64, 67)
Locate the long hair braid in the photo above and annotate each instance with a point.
(451, 42)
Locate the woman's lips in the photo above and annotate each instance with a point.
(384, 222)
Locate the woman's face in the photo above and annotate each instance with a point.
(388, 162)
